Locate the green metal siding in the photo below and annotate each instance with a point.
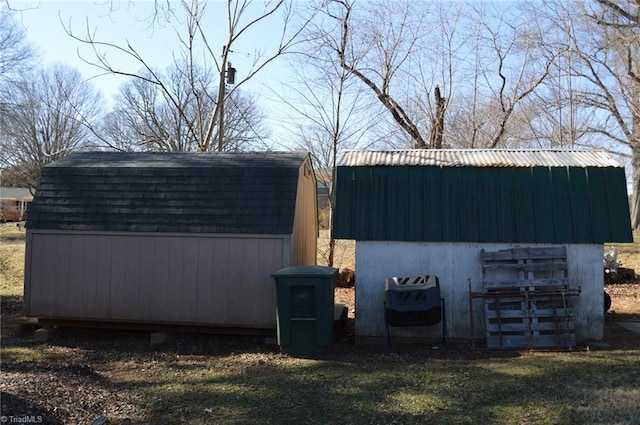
(416, 221)
(451, 222)
(488, 206)
(433, 203)
(580, 211)
(470, 219)
(525, 205)
(617, 203)
(561, 205)
(543, 219)
(482, 204)
(600, 219)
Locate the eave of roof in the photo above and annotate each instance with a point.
(180, 159)
(478, 158)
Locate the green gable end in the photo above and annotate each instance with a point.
(511, 201)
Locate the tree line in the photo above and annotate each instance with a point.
(523, 74)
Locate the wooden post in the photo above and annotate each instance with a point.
(471, 320)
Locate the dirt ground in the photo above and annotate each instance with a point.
(70, 378)
(70, 382)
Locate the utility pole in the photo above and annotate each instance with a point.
(227, 76)
(221, 93)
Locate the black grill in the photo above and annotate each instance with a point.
(413, 301)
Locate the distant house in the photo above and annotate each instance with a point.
(324, 178)
(168, 238)
(323, 194)
(14, 203)
(432, 212)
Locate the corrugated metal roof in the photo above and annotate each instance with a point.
(478, 158)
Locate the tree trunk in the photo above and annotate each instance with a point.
(437, 123)
(635, 165)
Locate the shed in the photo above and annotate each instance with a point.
(168, 238)
(432, 212)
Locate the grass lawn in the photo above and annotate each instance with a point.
(81, 374)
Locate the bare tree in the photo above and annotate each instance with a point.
(147, 117)
(437, 122)
(517, 66)
(327, 105)
(241, 18)
(409, 54)
(603, 40)
(616, 75)
(376, 46)
(46, 115)
(16, 54)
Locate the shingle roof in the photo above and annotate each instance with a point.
(18, 193)
(479, 158)
(248, 193)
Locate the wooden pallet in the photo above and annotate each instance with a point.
(526, 294)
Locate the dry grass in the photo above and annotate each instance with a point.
(11, 259)
(203, 379)
(344, 253)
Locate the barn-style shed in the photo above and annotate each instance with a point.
(432, 212)
(168, 238)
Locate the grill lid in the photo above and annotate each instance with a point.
(414, 293)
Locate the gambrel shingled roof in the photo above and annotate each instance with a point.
(246, 193)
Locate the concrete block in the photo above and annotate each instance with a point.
(158, 338)
(41, 335)
(631, 326)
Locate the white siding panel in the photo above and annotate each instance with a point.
(151, 295)
(585, 267)
(211, 280)
(269, 260)
(235, 285)
(62, 294)
(222, 281)
(236, 306)
(181, 284)
(42, 275)
(97, 276)
(455, 264)
(131, 292)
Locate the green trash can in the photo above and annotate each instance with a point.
(304, 309)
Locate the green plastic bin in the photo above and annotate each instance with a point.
(304, 309)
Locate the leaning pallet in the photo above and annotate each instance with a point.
(527, 294)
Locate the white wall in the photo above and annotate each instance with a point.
(455, 264)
